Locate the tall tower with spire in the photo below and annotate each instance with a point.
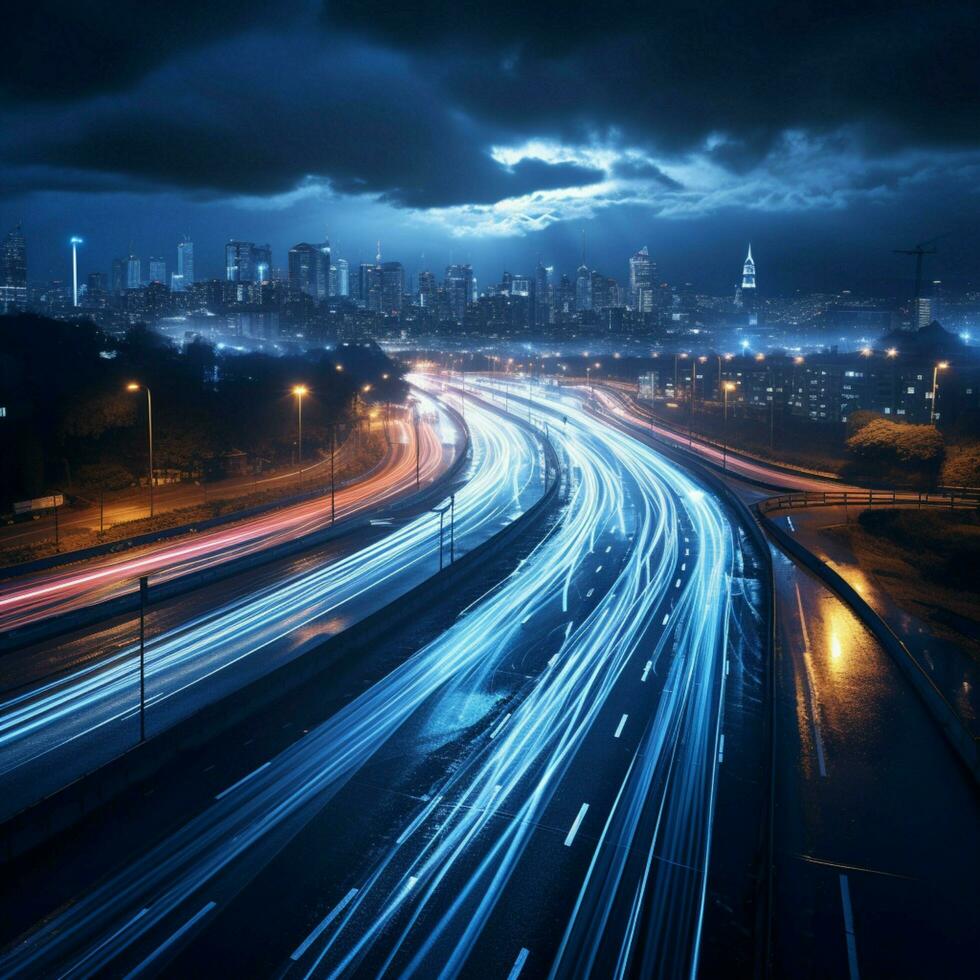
(746, 297)
(748, 272)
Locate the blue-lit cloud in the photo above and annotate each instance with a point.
(494, 123)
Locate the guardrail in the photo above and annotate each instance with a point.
(867, 498)
(943, 712)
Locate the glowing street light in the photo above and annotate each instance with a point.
(727, 387)
(135, 386)
(299, 391)
(682, 356)
(74, 241)
(941, 366)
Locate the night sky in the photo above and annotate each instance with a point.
(499, 133)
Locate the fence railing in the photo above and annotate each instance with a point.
(866, 498)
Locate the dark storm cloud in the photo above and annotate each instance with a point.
(353, 117)
(638, 169)
(54, 51)
(674, 72)
(405, 101)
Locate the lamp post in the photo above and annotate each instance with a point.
(721, 357)
(681, 356)
(75, 242)
(299, 391)
(333, 485)
(415, 422)
(941, 366)
(891, 354)
(726, 388)
(135, 386)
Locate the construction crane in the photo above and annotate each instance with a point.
(923, 248)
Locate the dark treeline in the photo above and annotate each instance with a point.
(70, 424)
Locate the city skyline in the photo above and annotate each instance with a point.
(693, 135)
(211, 263)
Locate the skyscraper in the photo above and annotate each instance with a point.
(641, 281)
(247, 262)
(748, 295)
(134, 277)
(13, 272)
(157, 270)
(392, 287)
(118, 276)
(460, 289)
(543, 298)
(262, 263)
(306, 273)
(748, 273)
(184, 276)
(583, 289)
(343, 277)
(427, 288)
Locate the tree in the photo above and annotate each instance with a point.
(961, 467)
(856, 421)
(896, 453)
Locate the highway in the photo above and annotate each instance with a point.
(875, 838)
(876, 855)
(54, 729)
(531, 791)
(758, 471)
(133, 504)
(31, 598)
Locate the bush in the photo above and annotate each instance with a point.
(856, 421)
(896, 454)
(961, 468)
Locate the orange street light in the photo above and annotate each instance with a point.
(941, 366)
(135, 386)
(299, 391)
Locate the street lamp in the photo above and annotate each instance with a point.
(299, 391)
(682, 356)
(75, 241)
(941, 366)
(135, 386)
(721, 357)
(726, 388)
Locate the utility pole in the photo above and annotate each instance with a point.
(144, 588)
(415, 420)
(333, 486)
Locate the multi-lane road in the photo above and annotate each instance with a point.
(543, 772)
(28, 599)
(216, 640)
(541, 785)
(875, 850)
